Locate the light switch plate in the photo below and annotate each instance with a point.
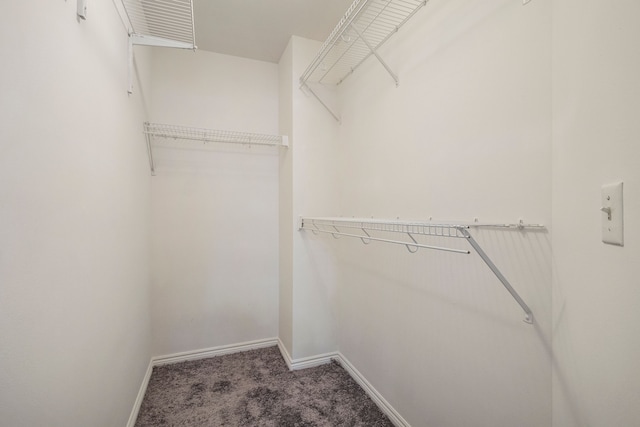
(613, 224)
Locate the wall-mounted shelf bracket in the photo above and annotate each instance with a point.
(362, 229)
(474, 244)
(308, 89)
(374, 52)
(157, 23)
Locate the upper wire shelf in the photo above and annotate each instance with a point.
(365, 27)
(165, 19)
(366, 229)
(160, 23)
(185, 133)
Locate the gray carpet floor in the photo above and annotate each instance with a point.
(255, 388)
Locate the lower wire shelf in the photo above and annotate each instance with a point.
(362, 229)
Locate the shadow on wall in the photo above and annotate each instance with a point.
(524, 257)
(432, 327)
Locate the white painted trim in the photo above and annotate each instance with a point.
(304, 362)
(382, 403)
(213, 351)
(192, 355)
(285, 354)
(143, 389)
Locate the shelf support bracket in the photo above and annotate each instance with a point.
(528, 314)
(375, 53)
(150, 154)
(304, 85)
(142, 40)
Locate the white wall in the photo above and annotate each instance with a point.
(467, 134)
(286, 226)
(214, 211)
(596, 134)
(308, 172)
(74, 207)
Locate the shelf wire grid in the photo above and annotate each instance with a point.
(157, 130)
(333, 226)
(166, 19)
(345, 49)
(404, 227)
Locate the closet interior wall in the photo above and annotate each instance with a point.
(74, 218)
(308, 181)
(596, 135)
(214, 215)
(466, 134)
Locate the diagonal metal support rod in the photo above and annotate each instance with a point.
(374, 52)
(421, 228)
(499, 275)
(150, 154)
(335, 116)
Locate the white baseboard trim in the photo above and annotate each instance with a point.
(143, 389)
(304, 362)
(213, 351)
(193, 355)
(382, 403)
(378, 399)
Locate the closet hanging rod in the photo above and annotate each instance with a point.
(367, 239)
(332, 226)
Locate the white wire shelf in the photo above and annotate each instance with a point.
(366, 26)
(154, 131)
(160, 23)
(368, 230)
(165, 19)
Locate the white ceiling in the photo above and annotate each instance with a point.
(260, 29)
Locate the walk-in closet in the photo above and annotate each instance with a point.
(320, 212)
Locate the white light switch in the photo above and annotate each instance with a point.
(82, 9)
(612, 214)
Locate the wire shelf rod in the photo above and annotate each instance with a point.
(210, 135)
(155, 131)
(420, 229)
(168, 21)
(404, 225)
(319, 225)
(376, 19)
(161, 23)
(408, 245)
(351, 14)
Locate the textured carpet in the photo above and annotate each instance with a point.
(255, 388)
